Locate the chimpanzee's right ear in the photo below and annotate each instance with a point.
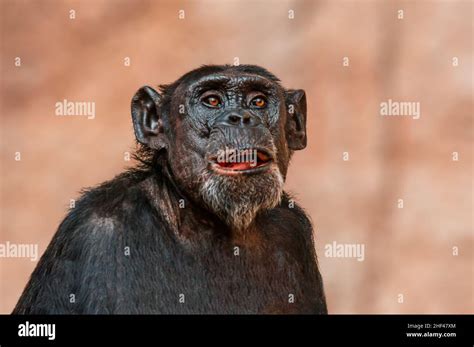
(146, 117)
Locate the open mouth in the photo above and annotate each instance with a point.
(241, 161)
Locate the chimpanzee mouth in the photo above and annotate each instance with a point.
(232, 162)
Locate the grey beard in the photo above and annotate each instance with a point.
(238, 199)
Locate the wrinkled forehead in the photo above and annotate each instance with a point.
(237, 82)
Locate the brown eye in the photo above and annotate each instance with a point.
(212, 101)
(258, 102)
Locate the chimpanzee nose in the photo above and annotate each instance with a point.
(245, 119)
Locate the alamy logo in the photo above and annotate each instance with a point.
(19, 250)
(37, 330)
(345, 250)
(238, 156)
(75, 108)
(400, 108)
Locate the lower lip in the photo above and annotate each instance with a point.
(229, 172)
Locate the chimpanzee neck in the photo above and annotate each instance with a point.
(185, 217)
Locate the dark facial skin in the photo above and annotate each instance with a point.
(191, 230)
(230, 110)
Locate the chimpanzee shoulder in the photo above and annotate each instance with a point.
(289, 227)
(90, 248)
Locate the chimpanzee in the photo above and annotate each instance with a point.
(201, 224)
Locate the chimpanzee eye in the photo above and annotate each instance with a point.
(213, 101)
(258, 102)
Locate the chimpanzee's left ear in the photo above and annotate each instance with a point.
(296, 122)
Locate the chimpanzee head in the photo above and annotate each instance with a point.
(227, 134)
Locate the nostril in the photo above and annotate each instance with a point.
(234, 119)
(246, 119)
(238, 120)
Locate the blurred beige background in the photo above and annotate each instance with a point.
(408, 251)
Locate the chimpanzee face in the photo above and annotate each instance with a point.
(228, 134)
